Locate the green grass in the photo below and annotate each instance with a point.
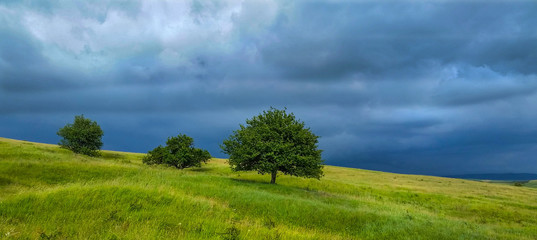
(532, 184)
(50, 193)
(519, 183)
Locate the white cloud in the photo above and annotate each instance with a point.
(175, 31)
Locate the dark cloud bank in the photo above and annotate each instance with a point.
(426, 87)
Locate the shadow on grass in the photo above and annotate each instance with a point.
(260, 181)
(200, 169)
(5, 181)
(107, 155)
(266, 183)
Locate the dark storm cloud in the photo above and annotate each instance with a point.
(433, 87)
(330, 40)
(482, 85)
(22, 68)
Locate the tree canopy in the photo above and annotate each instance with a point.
(82, 136)
(179, 152)
(274, 141)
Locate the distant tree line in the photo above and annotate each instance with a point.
(271, 142)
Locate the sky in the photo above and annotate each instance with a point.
(420, 87)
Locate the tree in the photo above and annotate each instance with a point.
(178, 152)
(83, 136)
(274, 141)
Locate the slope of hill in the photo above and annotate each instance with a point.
(50, 193)
(498, 176)
(532, 183)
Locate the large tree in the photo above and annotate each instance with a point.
(179, 152)
(275, 141)
(82, 136)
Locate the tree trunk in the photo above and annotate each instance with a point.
(273, 179)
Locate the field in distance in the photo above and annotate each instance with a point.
(50, 193)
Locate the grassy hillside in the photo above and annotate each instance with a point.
(532, 183)
(50, 193)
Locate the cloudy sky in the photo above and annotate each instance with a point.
(425, 87)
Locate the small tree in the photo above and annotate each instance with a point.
(178, 152)
(274, 141)
(83, 136)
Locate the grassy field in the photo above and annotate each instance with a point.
(532, 183)
(50, 193)
(521, 183)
